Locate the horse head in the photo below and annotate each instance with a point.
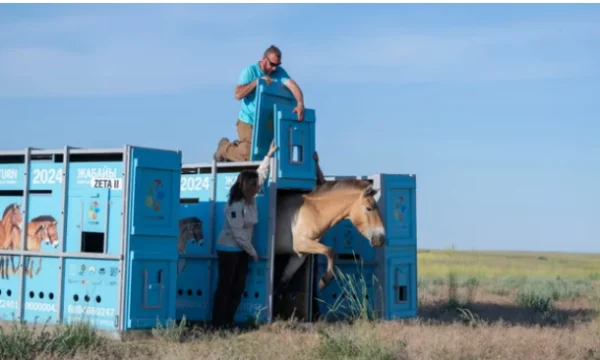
(14, 216)
(365, 216)
(42, 232)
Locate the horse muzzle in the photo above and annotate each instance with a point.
(377, 240)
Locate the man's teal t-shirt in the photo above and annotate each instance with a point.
(248, 75)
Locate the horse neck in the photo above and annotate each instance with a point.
(331, 208)
(34, 239)
(34, 242)
(7, 226)
(4, 238)
(13, 234)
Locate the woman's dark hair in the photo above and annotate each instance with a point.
(236, 192)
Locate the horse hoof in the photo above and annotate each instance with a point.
(322, 284)
(325, 280)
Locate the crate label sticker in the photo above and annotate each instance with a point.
(107, 183)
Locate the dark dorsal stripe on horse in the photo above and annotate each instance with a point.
(43, 218)
(343, 184)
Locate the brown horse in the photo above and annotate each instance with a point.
(303, 219)
(10, 234)
(40, 229)
(51, 228)
(189, 228)
(36, 233)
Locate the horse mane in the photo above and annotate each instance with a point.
(337, 185)
(9, 208)
(44, 218)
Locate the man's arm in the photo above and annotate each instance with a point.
(241, 91)
(295, 89)
(246, 83)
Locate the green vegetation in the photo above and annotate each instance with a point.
(489, 264)
(465, 299)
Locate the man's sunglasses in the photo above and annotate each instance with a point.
(272, 63)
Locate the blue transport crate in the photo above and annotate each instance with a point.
(393, 267)
(204, 192)
(89, 235)
(275, 120)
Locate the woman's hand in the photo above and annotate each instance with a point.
(272, 149)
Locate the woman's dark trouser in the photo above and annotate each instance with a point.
(233, 270)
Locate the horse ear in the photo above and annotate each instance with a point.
(54, 222)
(370, 191)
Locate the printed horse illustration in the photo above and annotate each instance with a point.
(10, 234)
(51, 227)
(189, 228)
(303, 219)
(40, 229)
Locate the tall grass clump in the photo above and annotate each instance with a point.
(562, 289)
(24, 342)
(21, 342)
(359, 341)
(472, 284)
(354, 302)
(172, 332)
(534, 298)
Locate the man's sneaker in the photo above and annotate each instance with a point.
(220, 153)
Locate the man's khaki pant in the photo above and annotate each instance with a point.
(239, 150)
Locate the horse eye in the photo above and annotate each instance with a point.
(369, 208)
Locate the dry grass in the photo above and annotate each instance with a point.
(463, 315)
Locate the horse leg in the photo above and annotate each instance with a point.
(27, 267)
(5, 268)
(14, 268)
(311, 246)
(292, 266)
(184, 265)
(39, 266)
(29, 271)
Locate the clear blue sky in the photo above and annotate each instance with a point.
(496, 108)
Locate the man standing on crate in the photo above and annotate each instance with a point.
(269, 69)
